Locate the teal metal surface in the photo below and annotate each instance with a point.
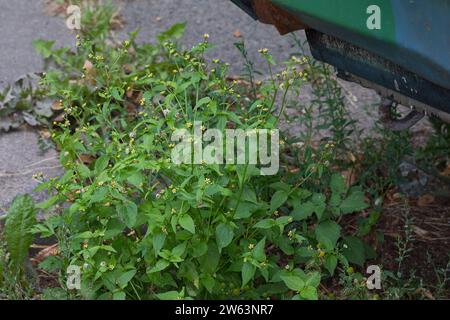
(414, 34)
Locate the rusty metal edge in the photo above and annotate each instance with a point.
(284, 21)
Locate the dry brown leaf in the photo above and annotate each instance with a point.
(397, 196)
(392, 197)
(131, 109)
(237, 34)
(52, 250)
(349, 176)
(88, 66)
(294, 170)
(238, 80)
(351, 157)
(446, 172)
(138, 97)
(132, 51)
(116, 21)
(127, 68)
(425, 200)
(45, 133)
(89, 70)
(86, 158)
(426, 293)
(76, 82)
(129, 92)
(52, 8)
(57, 105)
(60, 118)
(420, 232)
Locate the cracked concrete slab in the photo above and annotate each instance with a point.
(21, 22)
(221, 19)
(20, 159)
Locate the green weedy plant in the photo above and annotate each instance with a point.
(20, 220)
(381, 160)
(17, 238)
(141, 227)
(434, 157)
(333, 119)
(380, 154)
(2, 266)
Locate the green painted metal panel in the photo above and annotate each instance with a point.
(414, 34)
(346, 14)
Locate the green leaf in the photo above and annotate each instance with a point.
(48, 203)
(210, 260)
(116, 94)
(313, 279)
(366, 224)
(136, 179)
(158, 242)
(84, 235)
(174, 32)
(43, 47)
(20, 220)
(99, 195)
(125, 277)
(148, 142)
(199, 249)
(119, 295)
(159, 266)
(259, 250)
(285, 245)
(84, 171)
(179, 249)
(169, 295)
(224, 235)
(187, 223)
(244, 210)
(101, 164)
(355, 202)
(282, 222)
(209, 282)
(55, 294)
(249, 195)
(278, 199)
(50, 264)
(248, 271)
(202, 102)
(330, 263)
(265, 224)
(328, 233)
(309, 293)
(369, 252)
(319, 204)
(354, 250)
(334, 203)
(281, 186)
(303, 211)
(337, 184)
(128, 213)
(293, 282)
